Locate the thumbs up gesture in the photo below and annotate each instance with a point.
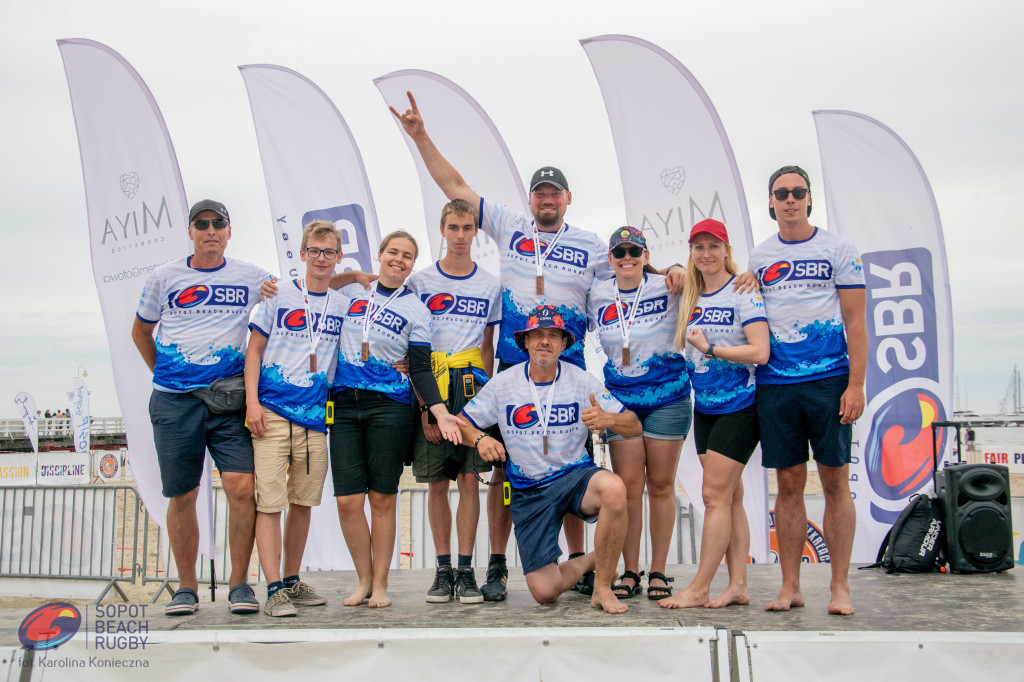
(595, 418)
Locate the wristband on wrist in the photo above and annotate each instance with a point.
(478, 438)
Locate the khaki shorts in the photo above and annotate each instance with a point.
(428, 461)
(279, 483)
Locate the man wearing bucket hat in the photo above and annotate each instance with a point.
(812, 388)
(544, 409)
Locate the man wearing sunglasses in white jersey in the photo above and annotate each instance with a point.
(812, 388)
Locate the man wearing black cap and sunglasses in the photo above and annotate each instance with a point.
(812, 388)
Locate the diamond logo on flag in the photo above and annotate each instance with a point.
(130, 184)
(673, 179)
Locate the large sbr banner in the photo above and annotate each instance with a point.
(312, 167)
(879, 198)
(468, 138)
(677, 168)
(137, 220)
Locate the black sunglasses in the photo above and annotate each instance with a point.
(798, 193)
(633, 250)
(218, 224)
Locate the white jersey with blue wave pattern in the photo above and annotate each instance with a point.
(405, 322)
(720, 386)
(203, 316)
(800, 283)
(578, 258)
(507, 401)
(286, 385)
(656, 375)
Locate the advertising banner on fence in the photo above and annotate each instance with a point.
(312, 167)
(30, 416)
(63, 468)
(677, 168)
(79, 397)
(879, 198)
(466, 136)
(137, 220)
(17, 468)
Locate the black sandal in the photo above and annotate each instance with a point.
(656, 592)
(628, 592)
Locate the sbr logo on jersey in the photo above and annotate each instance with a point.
(439, 304)
(722, 316)
(191, 297)
(293, 320)
(899, 451)
(357, 308)
(469, 306)
(525, 246)
(525, 416)
(781, 271)
(651, 306)
(391, 321)
(204, 294)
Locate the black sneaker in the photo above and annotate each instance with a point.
(493, 588)
(465, 587)
(444, 586)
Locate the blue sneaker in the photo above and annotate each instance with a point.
(241, 599)
(184, 602)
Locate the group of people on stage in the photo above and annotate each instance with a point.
(401, 369)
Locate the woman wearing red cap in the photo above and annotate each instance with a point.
(725, 334)
(634, 316)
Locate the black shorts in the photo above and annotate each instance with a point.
(733, 434)
(795, 415)
(369, 438)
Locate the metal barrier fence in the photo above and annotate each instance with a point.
(421, 543)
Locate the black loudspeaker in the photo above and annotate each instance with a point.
(979, 532)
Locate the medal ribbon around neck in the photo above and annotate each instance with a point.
(543, 412)
(369, 319)
(314, 337)
(538, 257)
(625, 325)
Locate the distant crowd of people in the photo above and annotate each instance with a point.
(369, 374)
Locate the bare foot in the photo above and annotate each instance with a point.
(733, 594)
(379, 599)
(840, 604)
(604, 599)
(687, 599)
(358, 595)
(785, 600)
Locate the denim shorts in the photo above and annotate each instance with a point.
(537, 515)
(668, 422)
(792, 415)
(369, 439)
(183, 429)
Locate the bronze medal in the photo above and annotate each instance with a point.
(540, 285)
(312, 363)
(364, 354)
(625, 356)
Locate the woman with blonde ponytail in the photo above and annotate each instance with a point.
(724, 333)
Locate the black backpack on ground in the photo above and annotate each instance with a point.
(915, 542)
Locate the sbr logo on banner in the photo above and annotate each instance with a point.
(903, 385)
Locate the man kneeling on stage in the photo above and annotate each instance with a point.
(544, 409)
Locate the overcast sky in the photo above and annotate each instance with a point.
(943, 75)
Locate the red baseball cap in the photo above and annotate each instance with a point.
(711, 226)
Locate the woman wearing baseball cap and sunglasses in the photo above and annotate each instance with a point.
(725, 333)
(634, 316)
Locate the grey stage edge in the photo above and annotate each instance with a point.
(932, 602)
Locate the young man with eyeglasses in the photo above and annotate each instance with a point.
(289, 367)
(812, 388)
(465, 307)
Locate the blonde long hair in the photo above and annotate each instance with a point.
(693, 287)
